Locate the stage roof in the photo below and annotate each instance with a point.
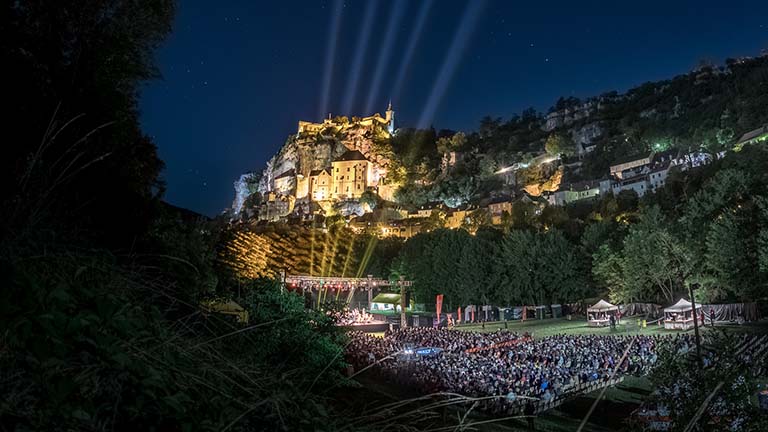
(390, 298)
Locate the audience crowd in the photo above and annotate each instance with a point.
(510, 369)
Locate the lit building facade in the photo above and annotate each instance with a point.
(351, 174)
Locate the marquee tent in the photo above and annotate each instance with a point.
(600, 313)
(679, 316)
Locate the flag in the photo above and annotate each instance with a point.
(458, 315)
(439, 305)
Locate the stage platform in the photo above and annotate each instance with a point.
(374, 327)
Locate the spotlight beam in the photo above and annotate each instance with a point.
(333, 37)
(455, 51)
(386, 53)
(357, 63)
(414, 37)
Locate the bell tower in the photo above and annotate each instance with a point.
(390, 118)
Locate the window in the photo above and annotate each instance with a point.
(358, 187)
(337, 189)
(347, 188)
(347, 169)
(337, 170)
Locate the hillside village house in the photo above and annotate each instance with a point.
(753, 137)
(641, 174)
(497, 206)
(351, 175)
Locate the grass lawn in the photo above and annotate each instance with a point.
(578, 326)
(553, 326)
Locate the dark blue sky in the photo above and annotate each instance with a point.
(238, 77)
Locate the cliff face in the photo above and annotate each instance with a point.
(306, 152)
(301, 154)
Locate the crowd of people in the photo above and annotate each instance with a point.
(348, 316)
(510, 368)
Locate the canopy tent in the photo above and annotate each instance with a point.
(679, 316)
(599, 314)
(602, 306)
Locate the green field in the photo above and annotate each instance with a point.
(578, 326)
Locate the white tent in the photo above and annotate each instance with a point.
(602, 306)
(600, 313)
(679, 316)
(680, 306)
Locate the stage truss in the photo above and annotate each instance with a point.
(317, 283)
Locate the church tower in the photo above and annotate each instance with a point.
(390, 118)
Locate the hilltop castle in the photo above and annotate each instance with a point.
(323, 164)
(342, 123)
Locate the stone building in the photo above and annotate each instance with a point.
(320, 184)
(341, 124)
(351, 174)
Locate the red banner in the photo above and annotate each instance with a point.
(459, 314)
(473, 313)
(439, 305)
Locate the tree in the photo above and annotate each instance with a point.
(730, 256)
(77, 70)
(559, 144)
(453, 143)
(436, 220)
(369, 198)
(729, 375)
(476, 219)
(656, 263)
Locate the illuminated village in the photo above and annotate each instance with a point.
(465, 215)
(354, 183)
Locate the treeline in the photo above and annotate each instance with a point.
(708, 225)
(492, 267)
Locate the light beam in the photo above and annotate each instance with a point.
(466, 28)
(333, 37)
(405, 61)
(386, 53)
(357, 63)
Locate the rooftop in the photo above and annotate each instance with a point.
(580, 186)
(627, 159)
(749, 136)
(318, 171)
(289, 173)
(351, 155)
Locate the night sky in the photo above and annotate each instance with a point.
(237, 78)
